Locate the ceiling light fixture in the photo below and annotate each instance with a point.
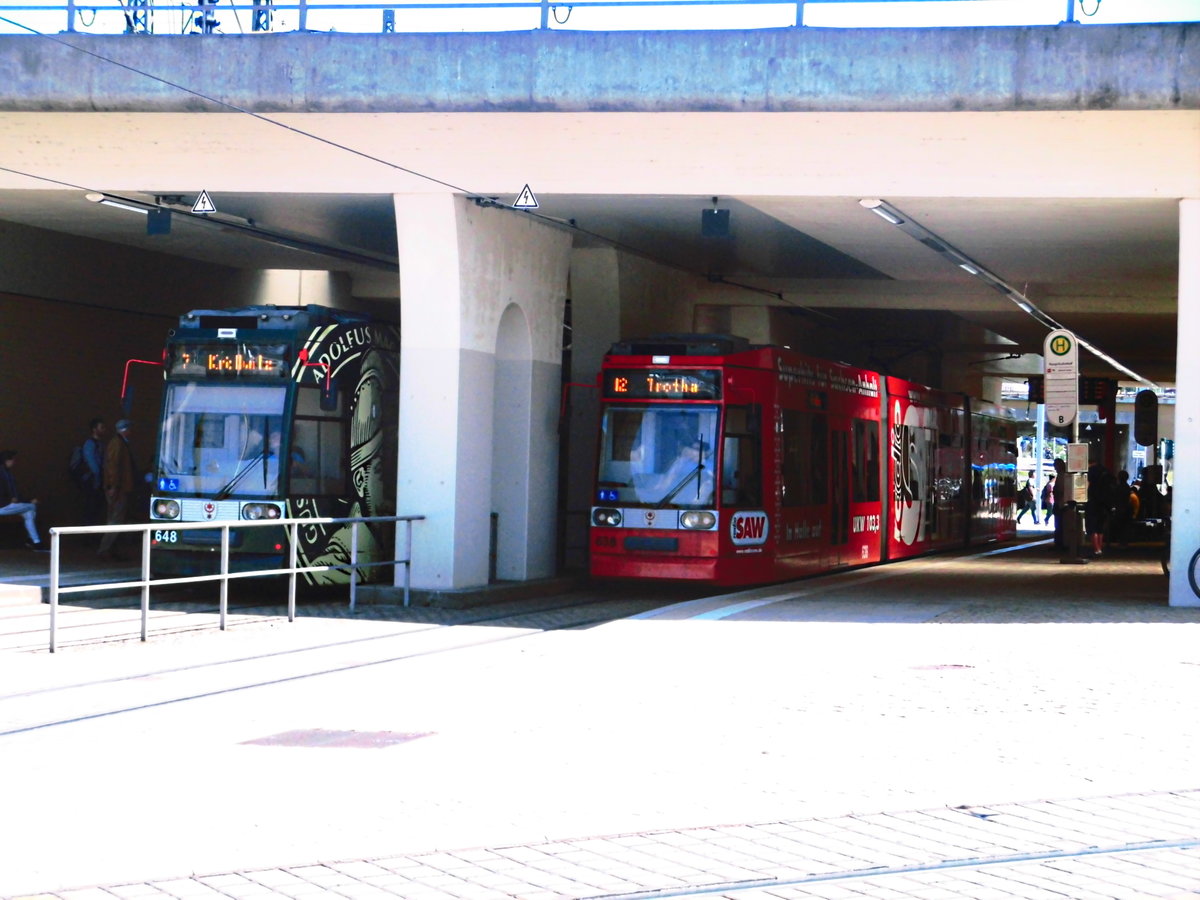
(108, 201)
(882, 210)
(920, 233)
(238, 225)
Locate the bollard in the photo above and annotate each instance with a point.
(1071, 535)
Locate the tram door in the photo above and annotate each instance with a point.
(839, 500)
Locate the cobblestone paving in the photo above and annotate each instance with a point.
(1136, 846)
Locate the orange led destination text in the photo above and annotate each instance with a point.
(677, 385)
(216, 362)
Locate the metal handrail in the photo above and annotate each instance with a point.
(196, 14)
(224, 576)
(200, 13)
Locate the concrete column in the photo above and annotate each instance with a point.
(1185, 525)
(481, 297)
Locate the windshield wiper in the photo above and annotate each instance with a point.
(241, 473)
(686, 478)
(679, 487)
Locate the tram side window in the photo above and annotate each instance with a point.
(741, 472)
(866, 461)
(318, 465)
(805, 458)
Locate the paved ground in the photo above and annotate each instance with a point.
(978, 726)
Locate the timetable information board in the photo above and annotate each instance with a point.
(1061, 355)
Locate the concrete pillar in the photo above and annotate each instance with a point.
(1185, 524)
(595, 325)
(300, 287)
(481, 300)
(753, 323)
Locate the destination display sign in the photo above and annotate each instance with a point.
(662, 384)
(1093, 391)
(266, 362)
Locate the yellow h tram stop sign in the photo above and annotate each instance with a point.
(1061, 362)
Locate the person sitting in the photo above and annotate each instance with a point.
(11, 503)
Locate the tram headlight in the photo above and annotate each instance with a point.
(166, 509)
(698, 520)
(606, 517)
(255, 511)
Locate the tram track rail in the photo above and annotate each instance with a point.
(200, 616)
(748, 888)
(456, 632)
(14, 639)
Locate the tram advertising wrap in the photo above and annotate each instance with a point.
(276, 412)
(736, 464)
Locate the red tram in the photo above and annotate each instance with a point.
(735, 464)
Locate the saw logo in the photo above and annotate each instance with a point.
(749, 528)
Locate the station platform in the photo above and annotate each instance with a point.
(982, 724)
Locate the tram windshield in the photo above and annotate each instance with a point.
(658, 455)
(222, 440)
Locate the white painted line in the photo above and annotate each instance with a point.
(736, 608)
(710, 608)
(1011, 549)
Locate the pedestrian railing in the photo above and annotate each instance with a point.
(224, 576)
(266, 16)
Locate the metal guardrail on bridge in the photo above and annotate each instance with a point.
(224, 575)
(264, 16)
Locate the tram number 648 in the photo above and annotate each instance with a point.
(166, 537)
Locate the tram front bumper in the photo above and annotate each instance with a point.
(638, 553)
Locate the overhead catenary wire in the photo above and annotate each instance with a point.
(918, 232)
(473, 195)
(235, 108)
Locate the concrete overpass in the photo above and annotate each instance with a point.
(348, 169)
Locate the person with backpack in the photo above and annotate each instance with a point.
(1025, 500)
(87, 472)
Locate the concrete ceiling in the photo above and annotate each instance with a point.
(1105, 268)
(1091, 237)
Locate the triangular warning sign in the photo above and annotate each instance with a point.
(526, 200)
(204, 204)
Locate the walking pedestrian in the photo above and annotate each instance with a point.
(1048, 500)
(1025, 499)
